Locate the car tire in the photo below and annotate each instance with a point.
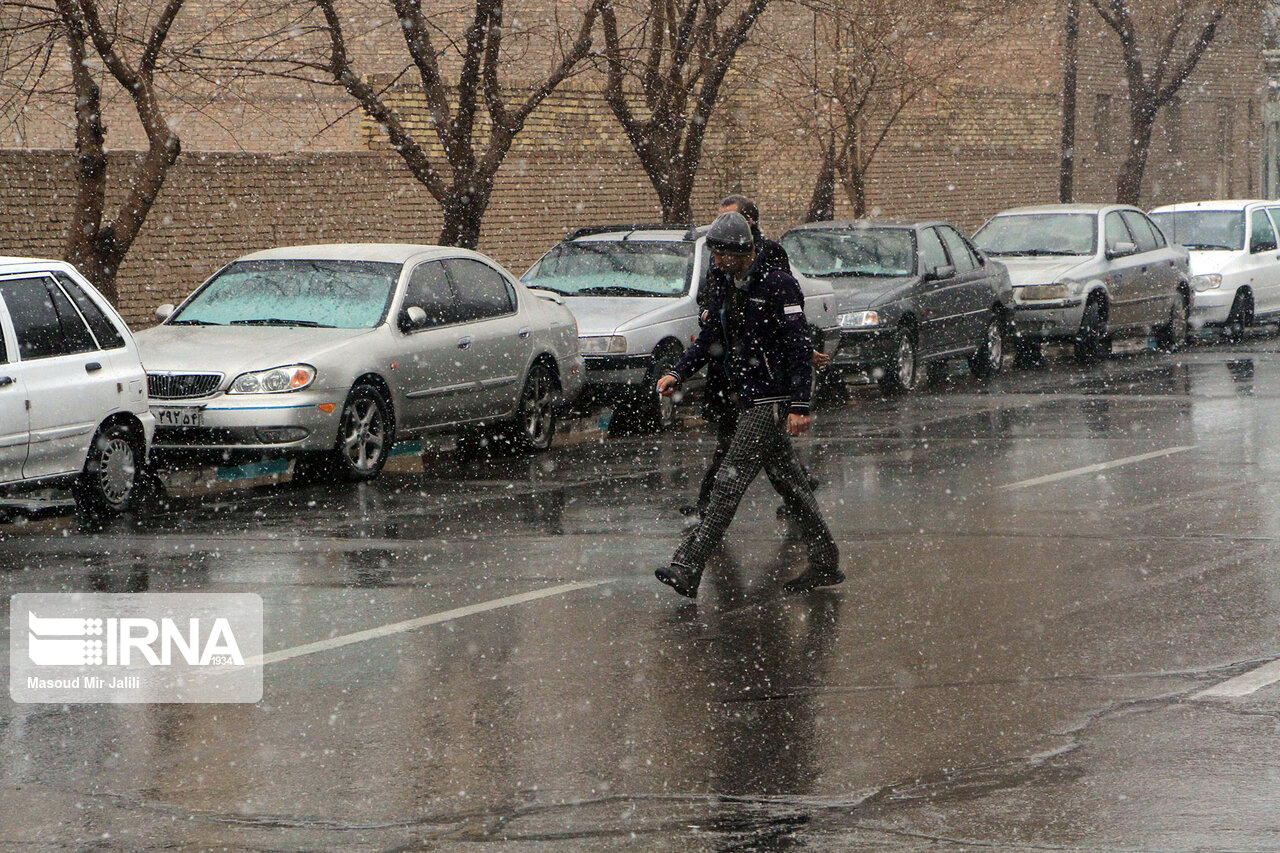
(902, 375)
(1172, 336)
(535, 422)
(1241, 316)
(365, 436)
(112, 470)
(1092, 342)
(645, 411)
(988, 361)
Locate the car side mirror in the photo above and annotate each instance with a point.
(940, 272)
(1123, 250)
(165, 311)
(412, 319)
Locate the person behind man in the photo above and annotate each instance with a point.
(761, 330)
(717, 408)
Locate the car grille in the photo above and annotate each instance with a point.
(180, 386)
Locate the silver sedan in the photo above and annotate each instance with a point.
(330, 353)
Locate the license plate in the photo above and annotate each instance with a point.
(185, 417)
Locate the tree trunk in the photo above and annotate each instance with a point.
(1071, 58)
(464, 211)
(1142, 119)
(822, 204)
(855, 186)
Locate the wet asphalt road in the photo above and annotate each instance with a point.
(1045, 575)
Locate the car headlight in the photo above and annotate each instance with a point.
(611, 344)
(292, 377)
(1050, 292)
(859, 320)
(1201, 283)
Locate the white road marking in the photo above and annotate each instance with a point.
(1244, 684)
(419, 622)
(1099, 466)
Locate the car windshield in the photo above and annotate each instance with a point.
(1030, 234)
(333, 294)
(830, 253)
(615, 268)
(1221, 230)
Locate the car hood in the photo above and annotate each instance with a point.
(606, 315)
(235, 349)
(856, 293)
(1206, 262)
(1040, 270)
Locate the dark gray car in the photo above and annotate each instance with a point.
(909, 294)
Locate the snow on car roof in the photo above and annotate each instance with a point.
(397, 253)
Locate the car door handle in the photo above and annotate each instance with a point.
(92, 367)
(463, 343)
(6, 380)
(524, 333)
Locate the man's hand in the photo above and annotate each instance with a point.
(667, 385)
(798, 424)
(819, 360)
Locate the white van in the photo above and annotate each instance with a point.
(73, 394)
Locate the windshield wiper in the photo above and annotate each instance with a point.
(191, 323)
(854, 273)
(615, 290)
(1031, 253)
(276, 321)
(1210, 246)
(535, 286)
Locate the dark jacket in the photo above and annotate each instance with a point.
(770, 364)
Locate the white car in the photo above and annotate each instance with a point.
(73, 394)
(1235, 259)
(634, 292)
(328, 354)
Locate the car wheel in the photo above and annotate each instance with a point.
(1172, 336)
(1241, 316)
(902, 374)
(645, 410)
(1091, 341)
(988, 361)
(364, 436)
(111, 472)
(535, 423)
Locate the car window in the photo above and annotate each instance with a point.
(1116, 231)
(104, 329)
(4, 349)
(840, 251)
(1207, 230)
(1274, 214)
(430, 290)
(1262, 236)
(1143, 234)
(1034, 234)
(482, 290)
(932, 254)
(294, 292)
(962, 257)
(39, 328)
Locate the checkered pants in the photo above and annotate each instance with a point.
(759, 441)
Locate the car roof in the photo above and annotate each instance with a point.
(396, 253)
(663, 233)
(869, 223)
(1064, 208)
(1213, 204)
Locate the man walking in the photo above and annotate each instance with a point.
(761, 334)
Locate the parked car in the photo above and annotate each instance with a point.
(634, 291)
(1087, 273)
(327, 354)
(73, 394)
(1235, 259)
(909, 294)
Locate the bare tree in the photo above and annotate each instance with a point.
(1161, 43)
(666, 66)
(864, 64)
(472, 150)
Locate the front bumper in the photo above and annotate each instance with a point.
(573, 377)
(860, 351)
(1211, 307)
(618, 372)
(1045, 321)
(252, 425)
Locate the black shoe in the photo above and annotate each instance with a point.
(814, 578)
(682, 579)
